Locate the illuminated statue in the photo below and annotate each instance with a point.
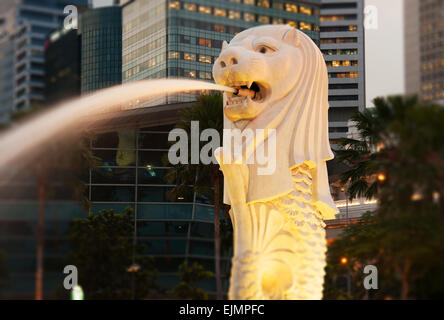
(281, 83)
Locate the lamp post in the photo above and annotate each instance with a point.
(344, 262)
(345, 190)
(133, 269)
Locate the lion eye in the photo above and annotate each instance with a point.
(264, 49)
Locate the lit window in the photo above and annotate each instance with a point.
(249, 16)
(278, 21)
(263, 19)
(237, 1)
(204, 9)
(205, 59)
(205, 75)
(219, 28)
(292, 23)
(263, 3)
(234, 14)
(353, 28)
(205, 42)
(220, 12)
(305, 26)
(175, 5)
(291, 7)
(189, 6)
(189, 56)
(250, 2)
(305, 10)
(173, 55)
(190, 73)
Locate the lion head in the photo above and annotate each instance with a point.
(281, 83)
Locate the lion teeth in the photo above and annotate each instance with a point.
(235, 100)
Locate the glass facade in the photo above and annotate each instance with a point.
(101, 49)
(132, 175)
(181, 39)
(62, 66)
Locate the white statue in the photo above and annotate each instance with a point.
(279, 234)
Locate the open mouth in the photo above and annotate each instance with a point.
(245, 92)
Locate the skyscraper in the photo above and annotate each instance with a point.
(100, 31)
(424, 49)
(24, 25)
(342, 43)
(62, 66)
(182, 38)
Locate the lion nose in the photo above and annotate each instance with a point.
(228, 59)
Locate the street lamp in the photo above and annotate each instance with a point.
(133, 269)
(381, 177)
(344, 261)
(345, 190)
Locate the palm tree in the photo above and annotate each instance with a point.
(398, 159)
(206, 179)
(61, 162)
(399, 155)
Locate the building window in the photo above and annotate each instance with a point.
(220, 12)
(305, 26)
(234, 14)
(263, 3)
(189, 6)
(190, 73)
(175, 5)
(249, 17)
(278, 5)
(173, 55)
(305, 10)
(189, 56)
(205, 59)
(352, 28)
(250, 2)
(342, 63)
(205, 75)
(292, 23)
(263, 19)
(219, 28)
(205, 42)
(278, 21)
(291, 7)
(237, 1)
(205, 9)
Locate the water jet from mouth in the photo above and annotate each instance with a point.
(15, 143)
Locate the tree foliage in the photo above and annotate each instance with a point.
(102, 250)
(190, 276)
(401, 139)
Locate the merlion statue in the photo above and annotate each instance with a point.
(281, 86)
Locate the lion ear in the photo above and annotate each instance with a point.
(291, 37)
(224, 45)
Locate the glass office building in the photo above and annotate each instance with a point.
(132, 175)
(181, 39)
(25, 24)
(101, 48)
